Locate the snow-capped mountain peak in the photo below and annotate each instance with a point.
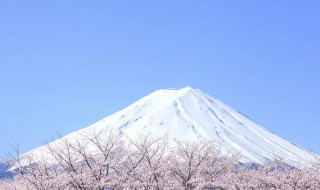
(191, 114)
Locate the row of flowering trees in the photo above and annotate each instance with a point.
(150, 164)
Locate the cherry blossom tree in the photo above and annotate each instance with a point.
(113, 161)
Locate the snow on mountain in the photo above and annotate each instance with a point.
(191, 114)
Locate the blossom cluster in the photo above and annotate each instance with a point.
(150, 163)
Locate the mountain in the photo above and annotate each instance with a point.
(191, 114)
(4, 173)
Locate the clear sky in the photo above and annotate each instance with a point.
(67, 64)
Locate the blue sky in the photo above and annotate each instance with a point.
(67, 64)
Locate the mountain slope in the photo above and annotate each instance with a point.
(191, 114)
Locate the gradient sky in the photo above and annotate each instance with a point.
(67, 64)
